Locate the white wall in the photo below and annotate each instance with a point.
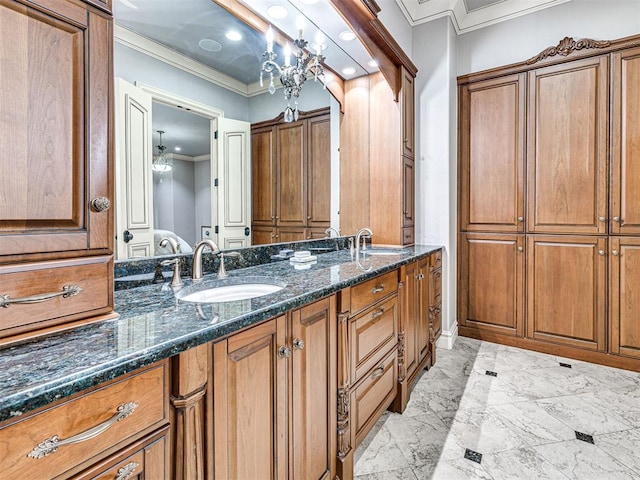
(441, 56)
(267, 106)
(395, 21)
(202, 172)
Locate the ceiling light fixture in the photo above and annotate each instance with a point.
(347, 35)
(161, 163)
(210, 45)
(349, 70)
(373, 63)
(293, 76)
(277, 11)
(233, 35)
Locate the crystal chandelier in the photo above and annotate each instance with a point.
(293, 76)
(161, 163)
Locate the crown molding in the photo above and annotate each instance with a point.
(422, 11)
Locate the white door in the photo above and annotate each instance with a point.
(134, 184)
(233, 203)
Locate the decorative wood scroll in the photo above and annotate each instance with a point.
(568, 45)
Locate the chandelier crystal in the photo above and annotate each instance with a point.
(293, 76)
(161, 163)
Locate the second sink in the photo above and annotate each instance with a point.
(229, 290)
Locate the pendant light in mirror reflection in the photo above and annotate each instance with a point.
(161, 163)
(294, 74)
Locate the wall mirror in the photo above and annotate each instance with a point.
(179, 70)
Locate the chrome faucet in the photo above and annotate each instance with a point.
(196, 267)
(222, 272)
(176, 280)
(331, 229)
(363, 233)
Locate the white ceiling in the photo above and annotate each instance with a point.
(468, 15)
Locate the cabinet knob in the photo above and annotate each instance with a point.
(602, 219)
(616, 219)
(521, 219)
(298, 344)
(615, 253)
(284, 352)
(308, 237)
(308, 217)
(601, 252)
(520, 249)
(100, 204)
(273, 217)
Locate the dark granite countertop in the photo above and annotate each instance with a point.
(154, 325)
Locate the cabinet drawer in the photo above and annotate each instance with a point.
(373, 334)
(372, 396)
(142, 394)
(93, 277)
(146, 459)
(369, 292)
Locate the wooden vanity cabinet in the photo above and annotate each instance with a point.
(56, 190)
(291, 178)
(624, 296)
(274, 391)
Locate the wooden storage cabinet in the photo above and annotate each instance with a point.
(55, 191)
(492, 144)
(491, 279)
(291, 177)
(625, 164)
(435, 296)
(624, 296)
(567, 147)
(274, 390)
(140, 401)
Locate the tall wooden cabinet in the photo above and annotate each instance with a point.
(548, 162)
(291, 177)
(56, 224)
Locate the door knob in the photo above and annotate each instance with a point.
(100, 204)
(127, 236)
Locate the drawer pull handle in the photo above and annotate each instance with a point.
(378, 313)
(126, 471)
(378, 372)
(52, 444)
(378, 289)
(66, 292)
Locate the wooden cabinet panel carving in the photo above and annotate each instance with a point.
(492, 155)
(566, 290)
(625, 164)
(567, 147)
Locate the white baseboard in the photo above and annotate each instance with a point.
(448, 337)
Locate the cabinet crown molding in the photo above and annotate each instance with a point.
(567, 46)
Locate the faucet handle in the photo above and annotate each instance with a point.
(222, 271)
(176, 280)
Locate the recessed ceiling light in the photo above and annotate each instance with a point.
(309, 2)
(347, 35)
(177, 149)
(277, 11)
(373, 63)
(209, 45)
(349, 71)
(233, 35)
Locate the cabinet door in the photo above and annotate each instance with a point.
(291, 234)
(261, 235)
(567, 147)
(54, 111)
(491, 129)
(319, 172)
(624, 304)
(491, 282)
(408, 192)
(292, 197)
(313, 387)
(408, 115)
(409, 318)
(263, 179)
(625, 167)
(566, 290)
(423, 324)
(250, 404)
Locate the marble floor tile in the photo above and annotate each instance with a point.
(570, 381)
(623, 446)
(511, 358)
(370, 436)
(583, 416)
(580, 460)
(381, 455)
(482, 390)
(403, 474)
(533, 423)
(609, 377)
(531, 384)
(461, 469)
(624, 402)
(521, 464)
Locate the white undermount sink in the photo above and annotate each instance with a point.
(380, 251)
(225, 292)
